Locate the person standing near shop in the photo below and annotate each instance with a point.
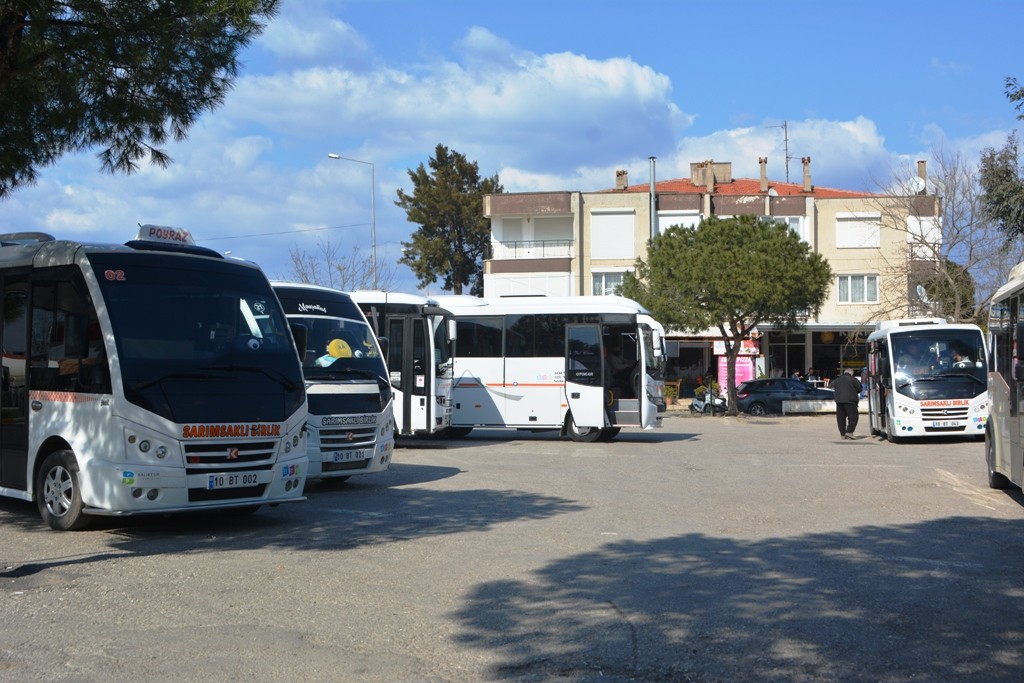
(847, 397)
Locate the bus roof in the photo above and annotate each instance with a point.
(41, 249)
(376, 296)
(541, 304)
(921, 327)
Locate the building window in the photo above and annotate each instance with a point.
(796, 224)
(858, 230)
(607, 284)
(858, 289)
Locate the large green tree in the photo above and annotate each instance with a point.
(1000, 175)
(731, 274)
(454, 236)
(124, 75)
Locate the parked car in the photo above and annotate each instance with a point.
(763, 396)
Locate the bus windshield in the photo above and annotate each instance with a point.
(338, 348)
(939, 356)
(189, 336)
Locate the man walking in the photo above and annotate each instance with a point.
(847, 396)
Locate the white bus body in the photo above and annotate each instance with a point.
(916, 388)
(1004, 438)
(351, 423)
(538, 363)
(419, 356)
(137, 379)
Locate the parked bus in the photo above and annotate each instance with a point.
(150, 377)
(351, 422)
(419, 357)
(1004, 437)
(926, 378)
(586, 366)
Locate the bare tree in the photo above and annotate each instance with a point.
(329, 268)
(955, 257)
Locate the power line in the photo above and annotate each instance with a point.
(283, 232)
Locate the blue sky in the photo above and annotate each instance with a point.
(550, 96)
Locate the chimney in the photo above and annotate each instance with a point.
(621, 180)
(807, 174)
(922, 172)
(763, 161)
(709, 175)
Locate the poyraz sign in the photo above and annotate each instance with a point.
(166, 234)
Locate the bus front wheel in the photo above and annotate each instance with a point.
(582, 434)
(890, 430)
(58, 493)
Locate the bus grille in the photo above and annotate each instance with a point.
(200, 457)
(340, 439)
(947, 413)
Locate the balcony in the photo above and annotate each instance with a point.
(531, 249)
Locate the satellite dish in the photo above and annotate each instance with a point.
(922, 294)
(772, 192)
(916, 185)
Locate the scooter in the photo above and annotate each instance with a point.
(702, 405)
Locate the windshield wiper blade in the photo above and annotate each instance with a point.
(199, 376)
(278, 377)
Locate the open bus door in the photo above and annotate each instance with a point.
(584, 381)
(410, 371)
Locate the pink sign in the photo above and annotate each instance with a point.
(744, 370)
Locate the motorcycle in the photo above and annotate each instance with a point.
(701, 404)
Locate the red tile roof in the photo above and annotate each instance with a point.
(744, 186)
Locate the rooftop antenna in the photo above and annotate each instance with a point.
(785, 141)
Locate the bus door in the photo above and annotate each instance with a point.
(14, 394)
(584, 375)
(411, 373)
(648, 411)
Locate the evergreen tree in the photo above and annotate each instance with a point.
(454, 236)
(731, 274)
(125, 75)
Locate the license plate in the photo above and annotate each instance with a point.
(346, 456)
(944, 423)
(232, 481)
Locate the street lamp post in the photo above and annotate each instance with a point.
(373, 209)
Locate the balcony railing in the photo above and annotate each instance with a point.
(525, 249)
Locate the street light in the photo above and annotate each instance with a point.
(373, 209)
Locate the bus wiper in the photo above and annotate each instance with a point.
(140, 386)
(278, 377)
(331, 370)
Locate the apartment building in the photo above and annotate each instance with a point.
(582, 243)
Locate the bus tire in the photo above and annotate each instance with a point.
(455, 432)
(996, 480)
(582, 434)
(58, 494)
(610, 433)
(890, 433)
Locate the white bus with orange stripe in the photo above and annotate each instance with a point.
(150, 377)
(540, 363)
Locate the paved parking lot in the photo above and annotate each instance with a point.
(715, 549)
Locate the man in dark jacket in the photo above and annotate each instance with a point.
(847, 395)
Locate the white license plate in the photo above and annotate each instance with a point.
(232, 480)
(345, 456)
(944, 423)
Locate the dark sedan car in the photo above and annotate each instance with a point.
(763, 396)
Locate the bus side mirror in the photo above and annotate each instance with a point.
(384, 345)
(451, 329)
(300, 335)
